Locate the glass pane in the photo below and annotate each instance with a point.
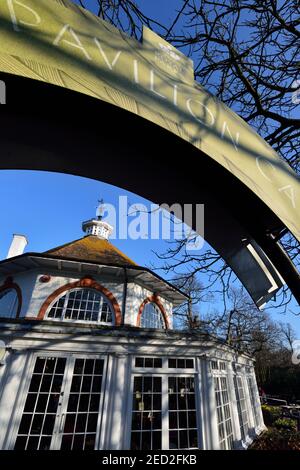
(49, 366)
(49, 425)
(45, 443)
(182, 422)
(152, 317)
(193, 439)
(42, 403)
(83, 407)
(173, 422)
(81, 423)
(90, 442)
(67, 442)
(70, 423)
(21, 443)
(35, 383)
(146, 421)
(30, 402)
(76, 383)
(86, 384)
(173, 440)
(32, 443)
(183, 439)
(57, 383)
(135, 441)
(79, 365)
(97, 382)
(73, 402)
(36, 425)
(83, 305)
(39, 366)
(25, 424)
(60, 365)
(53, 403)
(92, 422)
(146, 440)
(156, 441)
(46, 383)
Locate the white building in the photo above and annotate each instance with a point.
(90, 359)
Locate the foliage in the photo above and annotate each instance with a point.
(282, 433)
(275, 439)
(271, 414)
(286, 424)
(247, 54)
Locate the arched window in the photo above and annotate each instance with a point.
(152, 317)
(80, 304)
(9, 303)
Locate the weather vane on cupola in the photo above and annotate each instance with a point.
(97, 226)
(100, 209)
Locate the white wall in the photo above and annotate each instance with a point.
(35, 292)
(120, 353)
(135, 297)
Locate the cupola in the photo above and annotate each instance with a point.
(97, 226)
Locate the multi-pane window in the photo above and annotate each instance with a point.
(37, 423)
(255, 403)
(182, 413)
(82, 305)
(8, 303)
(164, 412)
(218, 365)
(152, 317)
(241, 406)
(148, 362)
(174, 363)
(81, 418)
(146, 415)
(223, 413)
(62, 407)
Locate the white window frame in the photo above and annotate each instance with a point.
(85, 322)
(256, 406)
(241, 376)
(221, 372)
(165, 372)
(159, 314)
(66, 385)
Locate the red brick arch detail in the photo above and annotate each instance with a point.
(155, 300)
(10, 284)
(84, 282)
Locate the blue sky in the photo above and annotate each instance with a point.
(49, 208)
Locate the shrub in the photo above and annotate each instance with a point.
(285, 424)
(275, 439)
(271, 414)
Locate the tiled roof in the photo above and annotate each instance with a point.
(92, 248)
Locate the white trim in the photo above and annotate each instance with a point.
(65, 393)
(66, 294)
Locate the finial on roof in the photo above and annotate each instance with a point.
(100, 209)
(97, 226)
